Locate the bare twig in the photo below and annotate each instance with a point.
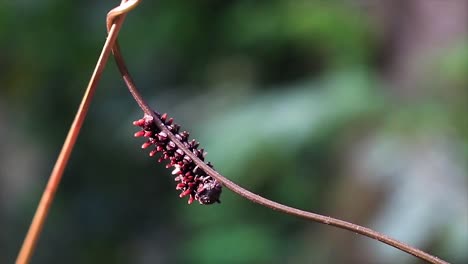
(48, 195)
(247, 194)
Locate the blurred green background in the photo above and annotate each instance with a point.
(353, 109)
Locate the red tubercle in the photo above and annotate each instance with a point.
(159, 148)
(146, 144)
(188, 178)
(139, 122)
(190, 200)
(139, 133)
(185, 193)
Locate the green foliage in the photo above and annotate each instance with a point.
(279, 93)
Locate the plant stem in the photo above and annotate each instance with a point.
(252, 196)
(48, 195)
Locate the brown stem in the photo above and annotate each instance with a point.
(30, 241)
(252, 196)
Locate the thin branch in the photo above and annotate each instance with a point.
(252, 196)
(30, 241)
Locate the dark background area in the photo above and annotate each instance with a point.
(353, 109)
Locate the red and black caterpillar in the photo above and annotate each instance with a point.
(192, 180)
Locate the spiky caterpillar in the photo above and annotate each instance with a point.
(192, 181)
